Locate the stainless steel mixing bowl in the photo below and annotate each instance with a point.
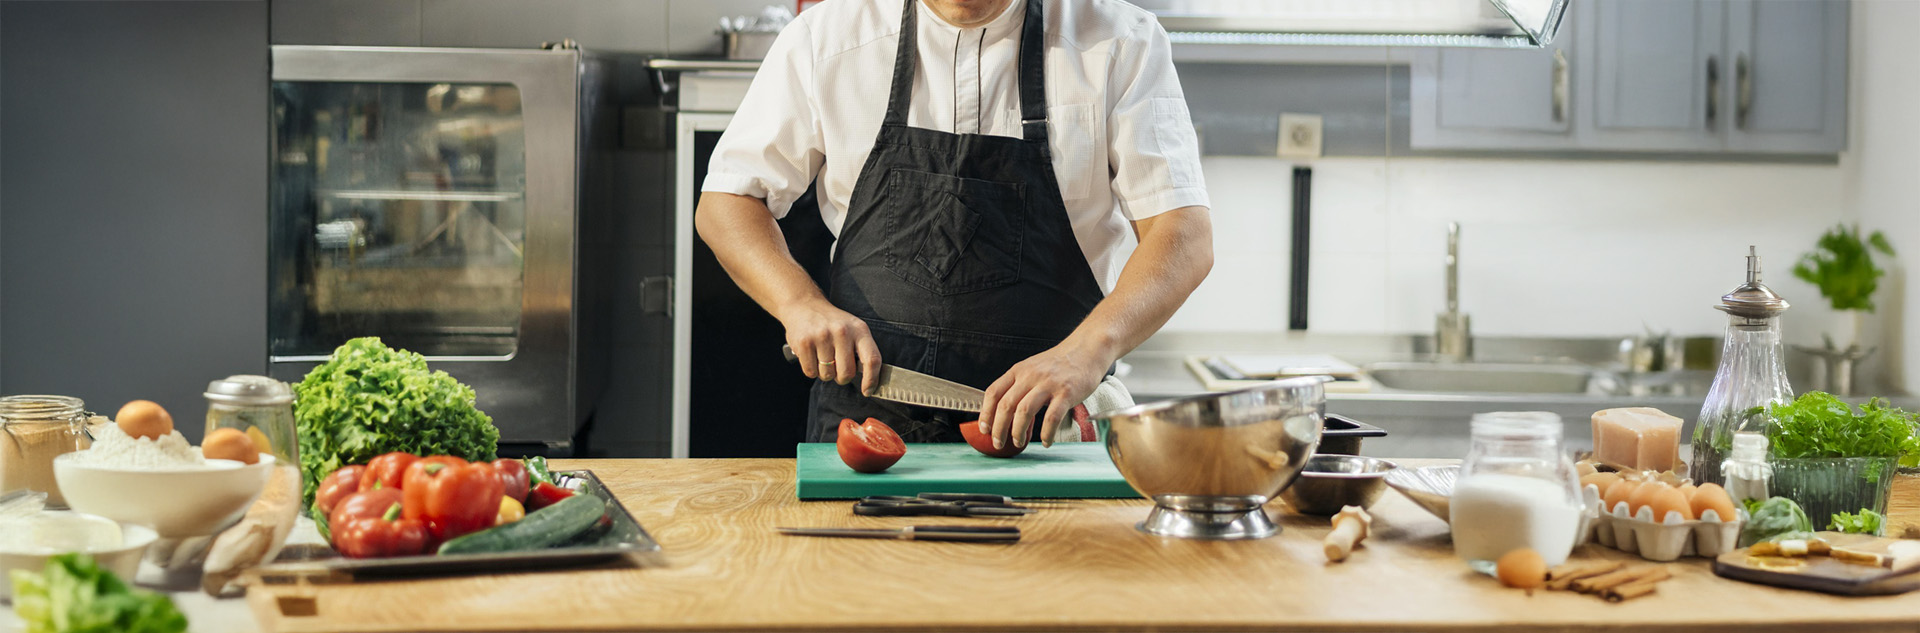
(1332, 482)
(1210, 462)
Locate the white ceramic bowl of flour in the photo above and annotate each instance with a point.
(159, 485)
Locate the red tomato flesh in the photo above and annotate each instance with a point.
(984, 443)
(870, 447)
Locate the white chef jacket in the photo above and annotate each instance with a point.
(1123, 143)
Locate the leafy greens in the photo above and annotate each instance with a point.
(1774, 518)
(1841, 265)
(369, 399)
(75, 595)
(1817, 424)
(1866, 522)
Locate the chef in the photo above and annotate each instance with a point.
(980, 163)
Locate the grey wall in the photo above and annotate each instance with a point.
(132, 199)
(684, 27)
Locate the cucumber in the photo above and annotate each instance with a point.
(541, 529)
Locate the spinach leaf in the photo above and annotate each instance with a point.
(1817, 424)
(1773, 518)
(1866, 522)
(1841, 265)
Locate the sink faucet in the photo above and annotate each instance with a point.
(1453, 330)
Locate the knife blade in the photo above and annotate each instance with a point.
(906, 386)
(960, 533)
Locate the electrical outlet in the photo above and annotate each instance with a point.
(1300, 135)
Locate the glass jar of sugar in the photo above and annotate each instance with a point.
(1517, 489)
(33, 431)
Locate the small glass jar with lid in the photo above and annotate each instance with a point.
(33, 431)
(1517, 489)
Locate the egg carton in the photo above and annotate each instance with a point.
(1664, 540)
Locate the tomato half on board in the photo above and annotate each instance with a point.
(870, 447)
(984, 443)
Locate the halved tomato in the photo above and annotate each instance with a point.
(870, 447)
(984, 443)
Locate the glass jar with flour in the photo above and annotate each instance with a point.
(1517, 489)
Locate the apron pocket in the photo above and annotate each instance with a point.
(954, 235)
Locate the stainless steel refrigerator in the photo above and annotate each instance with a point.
(440, 200)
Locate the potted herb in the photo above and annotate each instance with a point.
(1842, 267)
(1832, 457)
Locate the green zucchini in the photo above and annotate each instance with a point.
(541, 529)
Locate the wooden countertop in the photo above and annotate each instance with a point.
(1083, 567)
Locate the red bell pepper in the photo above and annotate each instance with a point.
(362, 505)
(382, 536)
(453, 497)
(513, 477)
(545, 494)
(337, 486)
(387, 471)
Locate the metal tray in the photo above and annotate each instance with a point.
(625, 539)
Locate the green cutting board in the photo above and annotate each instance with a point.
(1071, 470)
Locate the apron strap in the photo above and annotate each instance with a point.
(1033, 72)
(1033, 69)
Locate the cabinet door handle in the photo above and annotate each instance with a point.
(1713, 91)
(1743, 86)
(1559, 85)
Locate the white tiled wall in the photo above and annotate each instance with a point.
(1548, 247)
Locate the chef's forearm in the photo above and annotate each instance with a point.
(750, 246)
(1175, 254)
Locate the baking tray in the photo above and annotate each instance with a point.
(624, 539)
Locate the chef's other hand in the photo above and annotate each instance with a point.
(1050, 382)
(831, 344)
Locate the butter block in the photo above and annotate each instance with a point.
(1639, 438)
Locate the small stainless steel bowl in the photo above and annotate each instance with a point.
(1210, 462)
(1331, 482)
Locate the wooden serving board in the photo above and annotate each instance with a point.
(1822, 573)
(1065, 470)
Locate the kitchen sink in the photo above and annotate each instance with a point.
(1483, 377)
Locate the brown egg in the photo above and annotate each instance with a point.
(230, 444)
(144, 418)
(1521, 569)
(1618, 493)
(1712, 497)
(1644, 495)
(1687, 489)
(260, 440)
(1599, 481)
(1669, 500)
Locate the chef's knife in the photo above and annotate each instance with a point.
(962, 533)
(915, 388)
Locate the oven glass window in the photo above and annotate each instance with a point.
(398, 211)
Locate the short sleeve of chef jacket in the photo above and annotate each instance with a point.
(776, 146)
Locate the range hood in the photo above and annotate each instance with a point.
(1418, 23)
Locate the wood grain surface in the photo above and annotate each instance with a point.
(1083, 567)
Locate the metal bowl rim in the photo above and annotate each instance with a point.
(1385, 466)
(1162, 405)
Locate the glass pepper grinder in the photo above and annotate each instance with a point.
(1753, 373)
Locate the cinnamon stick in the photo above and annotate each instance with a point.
(1603, 582)
(1562, 577)
(1630, 590)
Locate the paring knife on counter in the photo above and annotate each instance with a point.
(958, 533)
(911, 387)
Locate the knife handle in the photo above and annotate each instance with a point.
(787, 351)
(967, 496)
(963, 533)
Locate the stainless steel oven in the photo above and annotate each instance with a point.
(435, 198)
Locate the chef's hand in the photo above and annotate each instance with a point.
(1052, 381)
(831, 344)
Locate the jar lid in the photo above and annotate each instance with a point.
(1517, 425)
(1753, 300)
(249, 391)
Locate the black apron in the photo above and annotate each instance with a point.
(956, 250)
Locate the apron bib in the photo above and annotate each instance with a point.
(957, 250)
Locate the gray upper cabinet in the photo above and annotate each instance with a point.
(1788, 86)
(1655, 66)
(1473, 98)
(1692, 76)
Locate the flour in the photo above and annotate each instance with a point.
(113, 448)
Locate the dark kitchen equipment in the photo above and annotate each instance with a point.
(897, 506)
(1342, 435)
(958, 533)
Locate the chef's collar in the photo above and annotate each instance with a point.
(1003, 25)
